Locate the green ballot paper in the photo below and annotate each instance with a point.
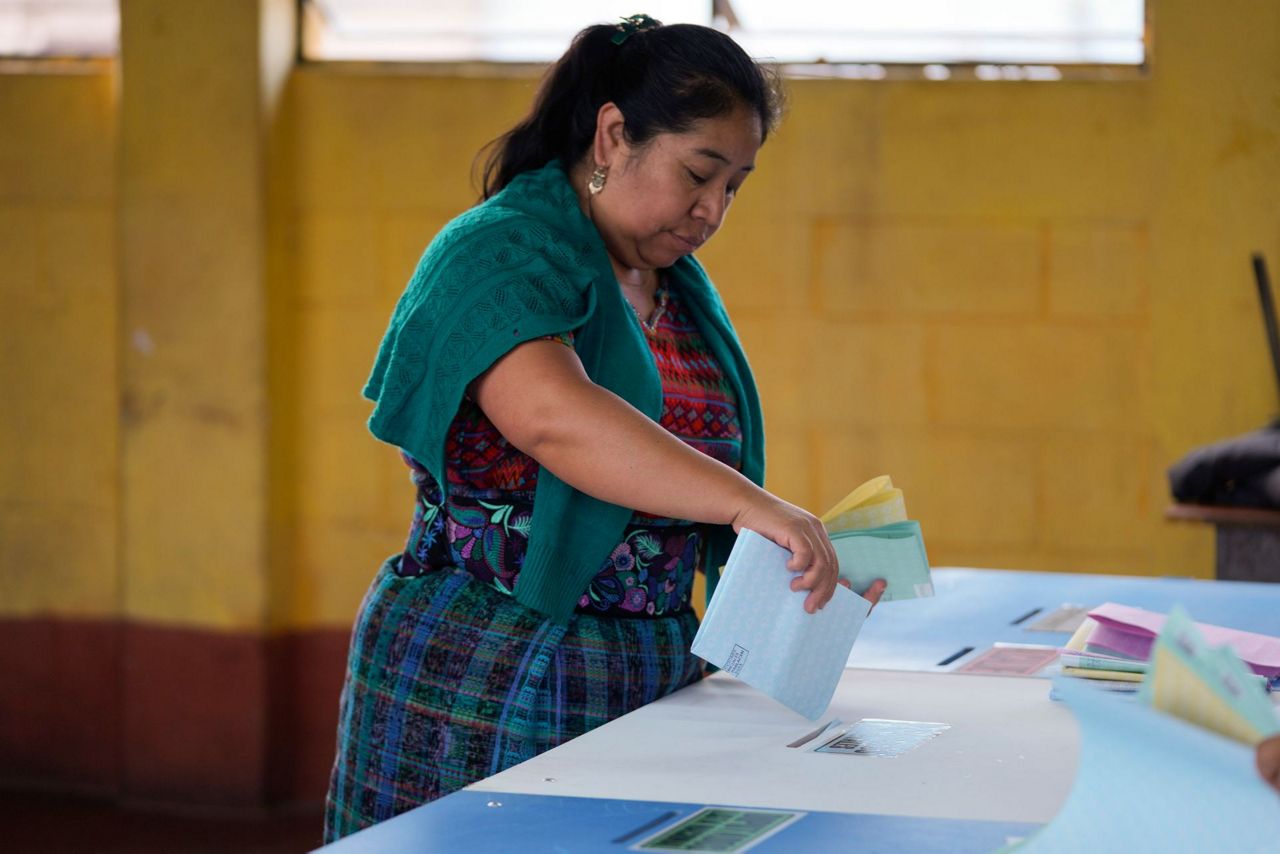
(894, 552)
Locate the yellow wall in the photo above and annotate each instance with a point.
(1022, 300)
(59, 379)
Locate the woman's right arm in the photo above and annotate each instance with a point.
(540, 397)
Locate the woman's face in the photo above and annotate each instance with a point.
(666, 198)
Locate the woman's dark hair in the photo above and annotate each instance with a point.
(663, 79)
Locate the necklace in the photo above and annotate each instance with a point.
(659, 308)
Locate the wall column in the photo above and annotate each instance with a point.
(200, 82)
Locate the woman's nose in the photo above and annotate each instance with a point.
(710, 208)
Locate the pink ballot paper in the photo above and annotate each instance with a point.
(1131, 631)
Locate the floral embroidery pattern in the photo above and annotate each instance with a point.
(650, 572)
(646, 573)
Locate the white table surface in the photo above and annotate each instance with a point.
(1010, 754)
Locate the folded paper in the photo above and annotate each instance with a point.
(756, 628)
(871, 505)
(1207, 686)
(874, 539)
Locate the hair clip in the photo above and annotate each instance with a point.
(632, 25)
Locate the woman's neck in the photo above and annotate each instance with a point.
(640, 288)
(635, 280)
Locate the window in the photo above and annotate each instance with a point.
(59, 28)
(944, 31)
(990, 38)
(467, 30)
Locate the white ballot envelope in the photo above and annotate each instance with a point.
(756, 628)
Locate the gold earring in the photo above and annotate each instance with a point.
(598, 178)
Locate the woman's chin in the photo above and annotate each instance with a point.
(664, 258)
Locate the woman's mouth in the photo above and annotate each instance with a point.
(689, 243)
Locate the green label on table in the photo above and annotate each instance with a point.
(717, 829)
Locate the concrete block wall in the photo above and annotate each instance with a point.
(965, 285)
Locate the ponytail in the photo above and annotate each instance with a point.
(663, 79)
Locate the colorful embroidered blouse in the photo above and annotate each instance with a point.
(484, 525)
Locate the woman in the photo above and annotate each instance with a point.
(581, 425)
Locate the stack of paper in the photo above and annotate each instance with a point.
(1082, 661)
(873, 538)
(756, 628)
(1115, 643)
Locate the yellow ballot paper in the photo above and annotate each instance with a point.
(871, 505)
(873, 538)
(1204, 685)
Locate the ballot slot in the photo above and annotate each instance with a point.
(810, 736)
(1027, 616)
(649, 825)
(956, 656)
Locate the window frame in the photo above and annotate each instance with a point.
(66, 63)
(884, 71)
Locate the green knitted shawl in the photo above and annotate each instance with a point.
(523, 265)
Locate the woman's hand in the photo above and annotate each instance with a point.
(802, 534)
(873, 593)
(1269, 761)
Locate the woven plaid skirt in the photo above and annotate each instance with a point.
(450, 681)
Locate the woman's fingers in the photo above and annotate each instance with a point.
(874, 593)
(821, 585)
(814, 560)
(829, 573)
(819, 597)
(802, 553)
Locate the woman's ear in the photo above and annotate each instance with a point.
(609, 144)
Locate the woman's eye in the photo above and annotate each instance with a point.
(695, 177)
